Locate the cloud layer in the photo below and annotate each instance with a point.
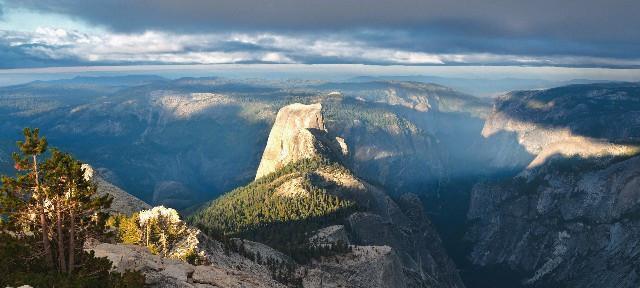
(409, 32)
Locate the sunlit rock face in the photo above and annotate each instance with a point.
(184, 106)
(225, 270)
(570, 219)
(587, 121)
(545, 142)
(298, 133)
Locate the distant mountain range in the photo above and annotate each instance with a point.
(534, 188)
(181, 142)
(480, 86)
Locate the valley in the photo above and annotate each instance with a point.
(441, 188)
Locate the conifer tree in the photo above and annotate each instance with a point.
(27, 187)
(49, 209)
(77, 211)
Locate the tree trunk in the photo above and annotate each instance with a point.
(72, 240)
(61, 248)
(45, 236)
(43, 218)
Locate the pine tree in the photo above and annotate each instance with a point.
(48, 210)
(76, 208)
(27, 187)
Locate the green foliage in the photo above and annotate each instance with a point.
(19, 266)
(192, 257)
(254, 212)
(128, 229)
(48, 211)
(254, 205)
(93, 273)
(159, 229)
(128, 279)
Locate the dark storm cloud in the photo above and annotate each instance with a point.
(588, 19)
(451, 42)
(544, 27)
(586, 33)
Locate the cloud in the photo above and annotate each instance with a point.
(588, 19)
(162, 47)
(47, 46)
(415, 29)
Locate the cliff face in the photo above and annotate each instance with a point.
(580, 120)
(570, 218)
(365, 266)
(409, 236)
(576, 227)
(298, 133)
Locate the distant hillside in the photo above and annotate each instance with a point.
(483, 87)
(182, 142)
(126, 80)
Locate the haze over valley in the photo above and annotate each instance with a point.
(297, 144)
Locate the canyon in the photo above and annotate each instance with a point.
(536, 188)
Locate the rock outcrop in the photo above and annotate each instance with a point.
(364, 267)
(330, 235)
(164, 272)
(266, 252)
(291, 137)
(298, 133)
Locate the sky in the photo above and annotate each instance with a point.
(568, 33)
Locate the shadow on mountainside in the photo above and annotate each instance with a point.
(205, 155)
(608, 111)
